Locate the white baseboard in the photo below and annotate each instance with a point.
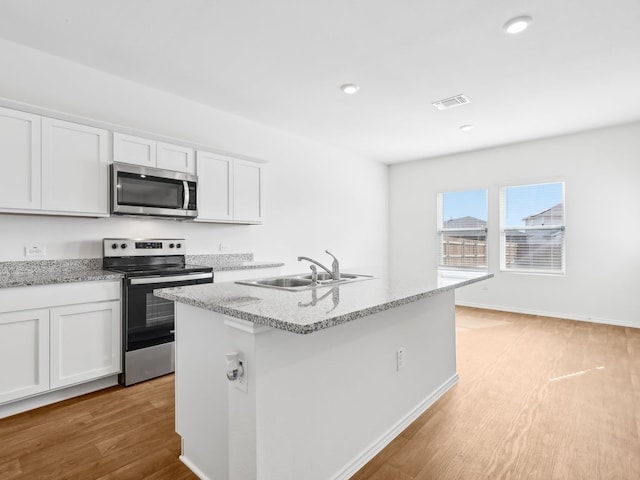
(384, 440)
(544, 313)
(193, 468)
(55, 396)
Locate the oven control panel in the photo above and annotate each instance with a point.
(136, 247)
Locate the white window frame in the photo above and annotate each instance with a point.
(442, 231)
(505, 228)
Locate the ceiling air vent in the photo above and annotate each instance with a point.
(451, 102)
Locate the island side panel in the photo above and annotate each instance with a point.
(202, 392)
(327, 402)
(318, 406)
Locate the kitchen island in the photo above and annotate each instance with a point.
(331, 374)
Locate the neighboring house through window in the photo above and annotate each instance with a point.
(532, 228)
(462, 230)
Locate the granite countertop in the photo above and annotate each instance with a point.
(314, 309)
(50, 272)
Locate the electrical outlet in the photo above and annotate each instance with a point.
(35, 251)
(400, 360)
(224, 247)
(242, 383)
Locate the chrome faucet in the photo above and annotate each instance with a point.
(335, 265)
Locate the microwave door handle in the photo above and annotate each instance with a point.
(185, 186)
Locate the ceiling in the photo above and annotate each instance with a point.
(281, 63)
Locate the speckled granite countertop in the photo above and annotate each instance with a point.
(50, 272)
(315, 309)
(229, 261)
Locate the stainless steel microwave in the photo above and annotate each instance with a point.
(137, 190)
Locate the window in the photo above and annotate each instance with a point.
(532, 234)
(462, 230)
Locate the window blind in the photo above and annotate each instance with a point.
(533, 228)
(462, 230)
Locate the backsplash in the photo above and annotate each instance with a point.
(219, 259)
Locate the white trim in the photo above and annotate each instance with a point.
(245, 325)
(190, 465)
(40, 400)
(361, 460)
(544, 313)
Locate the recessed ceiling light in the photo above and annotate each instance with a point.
(466, 128)
(350, 88)
(517, 25)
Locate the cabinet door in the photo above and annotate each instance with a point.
(247, 192)
(20, 155)
(215, 187)
(175, 157)
(136, 150)
(85, 342)
(24, 353)
(74, 168)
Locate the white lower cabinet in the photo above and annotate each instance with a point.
(24, 353)
(85, 342)
(54, 336)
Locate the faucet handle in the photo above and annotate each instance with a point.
(335, 266)
(314, 274)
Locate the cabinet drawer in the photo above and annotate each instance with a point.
(45, 296)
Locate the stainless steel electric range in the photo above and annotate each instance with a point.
(149, 321)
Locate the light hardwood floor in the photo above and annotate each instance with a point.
(538, 398)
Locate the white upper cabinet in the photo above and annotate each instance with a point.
(175, 157)
(229, 190)
(74, 168)
(20, 160)
(247, 192)
(136, 150)
(215, 187)
(149, 153)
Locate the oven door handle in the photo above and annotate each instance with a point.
(170, 278)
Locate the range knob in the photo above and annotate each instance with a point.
(123, 245)
(114, 245)
(178, 245)
(171, 245)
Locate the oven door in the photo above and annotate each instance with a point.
(140, 190)
(150, 320)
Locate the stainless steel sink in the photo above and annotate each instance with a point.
(286, 282)
(323, 277)
(295, 283)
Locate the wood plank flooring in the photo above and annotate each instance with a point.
(117, 433)
(538, 398)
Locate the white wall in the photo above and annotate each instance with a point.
(316, 197)
(601, 169)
